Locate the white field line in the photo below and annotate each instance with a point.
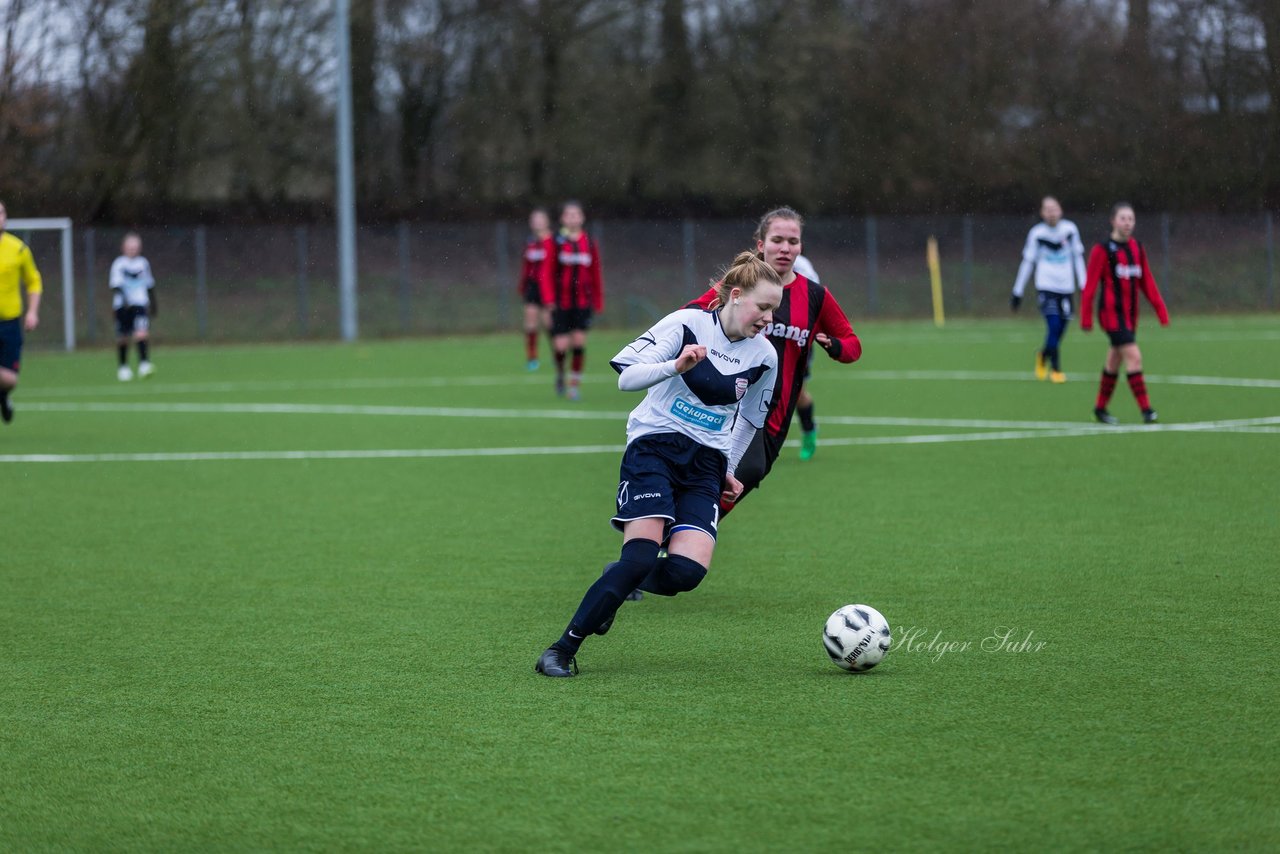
(1235, 425)
(854, 373)
(961, 336)
(476, 412)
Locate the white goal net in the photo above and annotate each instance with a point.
(62, 224)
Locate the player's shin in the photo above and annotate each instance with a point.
(603, 598)
(1105, 388)
(575, 367)
(1138, 385)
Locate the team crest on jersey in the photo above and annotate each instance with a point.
(740, 386)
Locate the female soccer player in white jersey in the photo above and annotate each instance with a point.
(709, 376)
(1054, 251)
(133, 297)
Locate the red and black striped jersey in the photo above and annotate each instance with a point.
(539, 267)
(578, 281)
(807, 308)
(1117, 271)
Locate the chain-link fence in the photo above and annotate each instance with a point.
(273, 283)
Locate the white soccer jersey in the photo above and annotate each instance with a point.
(804, 267)
(133, 278)
(734, 381)
(1056, 254)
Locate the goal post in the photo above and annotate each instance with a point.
(62, 224)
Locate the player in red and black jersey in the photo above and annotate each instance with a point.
(536, 287)
(809, 315)
(1118, 270)
(579, 291)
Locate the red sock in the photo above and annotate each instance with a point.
(1138, 386)
(579, 356)
(531, 345)
(1105, 388)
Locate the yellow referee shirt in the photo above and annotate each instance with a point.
(17, 268)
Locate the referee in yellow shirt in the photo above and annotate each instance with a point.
(17, 268)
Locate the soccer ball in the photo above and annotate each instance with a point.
(856, 637)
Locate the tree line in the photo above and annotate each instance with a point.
(157, 110)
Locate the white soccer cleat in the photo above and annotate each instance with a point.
(145, 369)
(124, 374)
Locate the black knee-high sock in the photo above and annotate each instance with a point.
(608, 593)
(144, 350)
(674, 574)
(806, 418)
(122, 350)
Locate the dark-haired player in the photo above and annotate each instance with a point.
(535, 283)
(1118, 270)
(808, 315)
(17, 270)
(579, 291)
(708, 377)
(1056, 255)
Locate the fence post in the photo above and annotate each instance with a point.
(1166, 285)
(90, 262)
(202, 285)
(402, 231)
(967, 235)
(1271, 263)
(502, 248)
(873, 295)
(304, 287)
(690, 261)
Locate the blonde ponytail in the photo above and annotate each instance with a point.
(746, 271)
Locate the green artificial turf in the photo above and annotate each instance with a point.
(337, 654)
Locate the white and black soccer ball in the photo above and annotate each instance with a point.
(856, 637)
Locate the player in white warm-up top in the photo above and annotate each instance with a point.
(133, 297)
(709, 375)
(1056, 255)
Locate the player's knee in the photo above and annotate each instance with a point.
(683, 573)
(638, 559)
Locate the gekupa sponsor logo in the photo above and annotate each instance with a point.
(1128, 271)
(790, 333)
(581, 259)
(686, 411)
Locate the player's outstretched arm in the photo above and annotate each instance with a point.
(1092, 278)
(834, 334)
(1024, 269)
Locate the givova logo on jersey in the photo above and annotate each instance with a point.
(791, 333)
